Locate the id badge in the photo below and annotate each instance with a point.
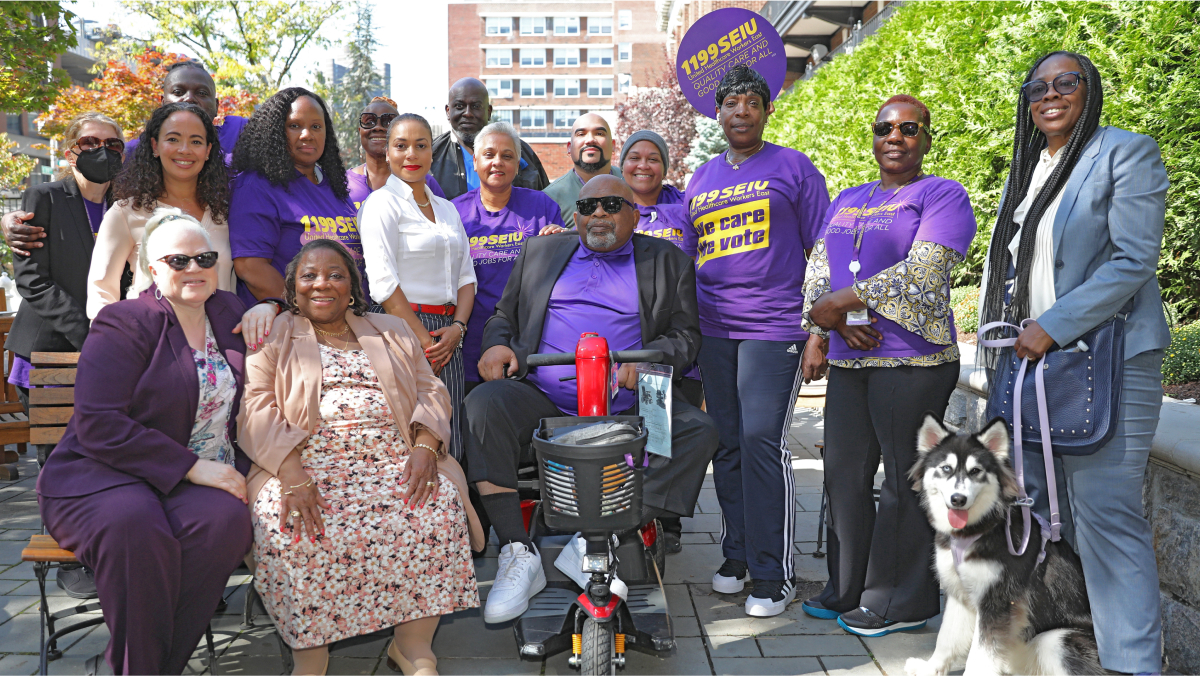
(858, 317)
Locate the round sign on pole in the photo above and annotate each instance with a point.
(721, 40)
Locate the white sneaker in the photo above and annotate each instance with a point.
(570, 562)
(518, 578)
(770, 597)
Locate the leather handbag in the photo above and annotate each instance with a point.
(1082, 385)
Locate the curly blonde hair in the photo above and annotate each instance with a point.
(75, 130)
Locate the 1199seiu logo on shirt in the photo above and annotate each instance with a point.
(744, 225)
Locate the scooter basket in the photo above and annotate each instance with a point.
(590, 488)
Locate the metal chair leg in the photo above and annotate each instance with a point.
(821, 526)
(39, 570)
(212, 650)
(248, 607)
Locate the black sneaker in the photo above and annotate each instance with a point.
(731, 578)
(814, 608)
(77, 581)
(672, 534)
(770, 597)
(862, 622)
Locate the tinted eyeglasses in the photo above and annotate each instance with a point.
(909, 129)
(180, 262)
(1064, 84)
(371, 120)
(612, 204)
(86, 143)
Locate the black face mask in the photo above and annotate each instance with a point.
(99, 165)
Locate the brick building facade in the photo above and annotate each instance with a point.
(547, 63)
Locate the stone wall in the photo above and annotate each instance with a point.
(1172, 502)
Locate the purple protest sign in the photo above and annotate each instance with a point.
(721, 40)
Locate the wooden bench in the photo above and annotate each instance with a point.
(14, 424)
(51, 395)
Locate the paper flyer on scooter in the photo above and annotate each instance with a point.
(654, 399)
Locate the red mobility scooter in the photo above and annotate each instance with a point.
(595, 490)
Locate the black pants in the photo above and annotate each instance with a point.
(42, 450)
(882, 561)
(501, 416)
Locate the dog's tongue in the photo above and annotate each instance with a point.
(958, 518)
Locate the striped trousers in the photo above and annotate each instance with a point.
(452, 377)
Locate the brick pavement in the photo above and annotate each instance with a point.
(713, 633)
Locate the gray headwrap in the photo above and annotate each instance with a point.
(646, 135)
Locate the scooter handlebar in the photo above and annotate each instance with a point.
(568, 358)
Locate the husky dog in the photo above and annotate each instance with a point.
(1004, 614)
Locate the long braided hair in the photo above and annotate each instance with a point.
(1027, 146)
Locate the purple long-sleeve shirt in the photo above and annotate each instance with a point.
(596, 292)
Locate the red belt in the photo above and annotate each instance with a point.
(447, 309)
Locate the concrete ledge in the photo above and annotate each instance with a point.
(1176, 443)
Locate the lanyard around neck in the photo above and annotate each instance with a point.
(860, 225)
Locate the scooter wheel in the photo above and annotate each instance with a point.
(597, 656)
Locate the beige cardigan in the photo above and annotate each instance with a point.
(281, 401)
(119, 241)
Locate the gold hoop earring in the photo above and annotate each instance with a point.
(351, 302)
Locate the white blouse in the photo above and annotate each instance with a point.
(1041, 274)
(430, 262)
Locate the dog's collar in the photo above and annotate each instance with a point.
(959, 546)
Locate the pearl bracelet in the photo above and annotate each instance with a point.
(436, 454)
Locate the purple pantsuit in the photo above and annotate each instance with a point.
(114, 489)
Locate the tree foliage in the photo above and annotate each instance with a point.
(34, 34)
(357, 86)
(13, 168)
(130, 95)
(253, 45)
(662, 109)
(708, 143)
(966, 61)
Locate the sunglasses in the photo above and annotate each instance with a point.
(86, 143)
(371, 120)
(1064, 84)
(180, 262)
(612, 204)
(909, 129)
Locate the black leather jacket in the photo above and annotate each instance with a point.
(451, 175)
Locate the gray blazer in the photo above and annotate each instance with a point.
(1107, 236)
(666, 279)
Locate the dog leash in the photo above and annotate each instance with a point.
(1051, 530)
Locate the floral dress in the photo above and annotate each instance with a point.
(379, 562)
(218, 388)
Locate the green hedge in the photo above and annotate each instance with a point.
(1182, 361)
(964, 300)
(966, 61)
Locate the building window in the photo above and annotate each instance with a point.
(600, 57)
(533, 25)
(533, 58)
(566, 25)
(566, 56)
(625, 19)
(499, 58)
(14, 124)
(502, 116)
(500, 89)
(625, 51)
(533, 119)
(533, 88)
(566, 87)
(600, 86)
(624, 82)
(499, 25)
(565, 118)
(600, 25)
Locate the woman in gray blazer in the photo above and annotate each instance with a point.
(1103, 191)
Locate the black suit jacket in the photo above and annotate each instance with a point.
(450, 172)
(666, 280)
(52, 280)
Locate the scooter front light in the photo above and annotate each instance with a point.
(595, 563)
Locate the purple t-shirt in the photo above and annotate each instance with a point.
(496, 239)
(933, 209)
(596, 292)
(273, 222)
(671, 195)
(751, 226)
(95, 214)
(360, 188)
(666, 221)
(227, 133)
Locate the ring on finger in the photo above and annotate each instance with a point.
(431, 484)
(294, 513)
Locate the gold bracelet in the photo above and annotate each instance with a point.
(306, 483)
(436, 455)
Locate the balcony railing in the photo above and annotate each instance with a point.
(860, 32)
